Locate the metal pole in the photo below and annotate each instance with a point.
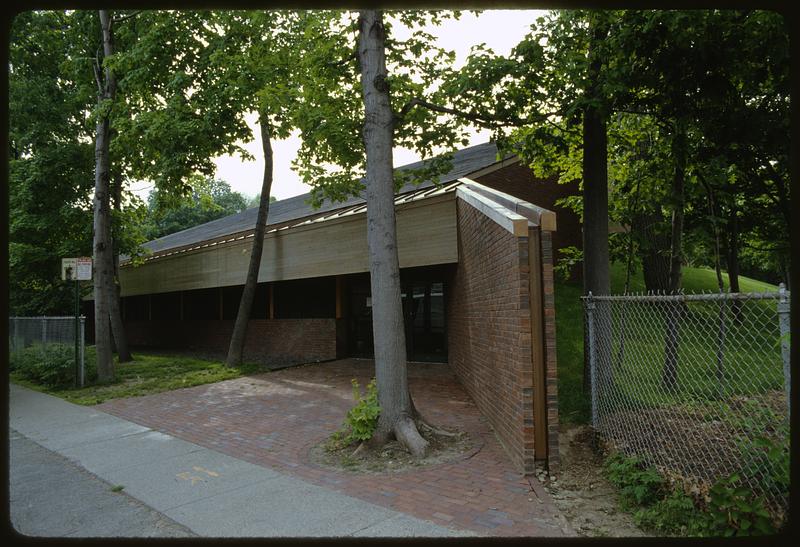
(44, 335)
(82, 379)
(592, 359)
(77, 333)
(783, 324)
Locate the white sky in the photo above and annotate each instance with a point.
(500, 30)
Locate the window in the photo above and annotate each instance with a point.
(232, 296)
(202, 304)
(166, 306)
(137, 308)
(305, 298)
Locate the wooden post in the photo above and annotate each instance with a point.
(272, 300)
(537, 345)
(339, 297)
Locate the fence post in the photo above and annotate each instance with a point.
(44, 335)
(592, 357)
(783, 324)
(82, 377)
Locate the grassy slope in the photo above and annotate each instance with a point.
(574, 406)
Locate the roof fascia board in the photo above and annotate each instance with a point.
(511, 221)
(544, 218)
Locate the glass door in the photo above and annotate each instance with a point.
(425, 322)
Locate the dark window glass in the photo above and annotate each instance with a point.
(260, 309)
(201, 304)
(232, 297)
(305, 298)
(136, 307)
(166, 306)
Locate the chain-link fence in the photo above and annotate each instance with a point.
(696, 385)
(44, 334)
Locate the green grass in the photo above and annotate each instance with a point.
(574, 404)
(147, 374)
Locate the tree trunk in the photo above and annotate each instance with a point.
(596, 277)
(117, 326)
(103, 262)
(236, 347)
(674, 310)
(733, 250)
(654, 249)
(397, 411)
(678, 199)
(732, 258)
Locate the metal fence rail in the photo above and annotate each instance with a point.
(695, 384)
(43, 333)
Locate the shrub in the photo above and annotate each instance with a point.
(767, 462)
(674, 515)
(52, 365)
(638, 485)
(362, 419)
(730, 508)
(734, 510)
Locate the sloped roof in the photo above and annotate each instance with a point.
(465, 161)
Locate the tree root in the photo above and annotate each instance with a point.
(358, 449)
(437, 430)
(406, 432)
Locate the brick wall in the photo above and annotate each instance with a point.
(268, 341)
(519, 181)
(489, 331)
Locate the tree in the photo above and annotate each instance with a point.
(550, 102)
(394, 76)
(210, 199)
(103, 260)
(175, 114)
(256, 200)
(49, 163)
(396, 417)
(251, 63)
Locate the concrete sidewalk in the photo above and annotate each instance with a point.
(211, 494)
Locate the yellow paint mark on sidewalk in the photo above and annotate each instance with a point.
(189, 477)
(206, 471)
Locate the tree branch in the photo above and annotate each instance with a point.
(125, 17)
(487, 120)
(352, 57)
(96, 70)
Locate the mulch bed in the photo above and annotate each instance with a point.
(393, 457)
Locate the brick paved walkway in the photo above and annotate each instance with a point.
(274, 419)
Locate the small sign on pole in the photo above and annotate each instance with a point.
(77, 270)
(69, 269)
(84, 268)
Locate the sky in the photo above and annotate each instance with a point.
(500, 30)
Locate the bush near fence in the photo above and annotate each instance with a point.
(42, 350)
(52, 365)
(697, 386)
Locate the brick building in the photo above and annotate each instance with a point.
(476, 256)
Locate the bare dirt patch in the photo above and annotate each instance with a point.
(581, 492)
(393, 457)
